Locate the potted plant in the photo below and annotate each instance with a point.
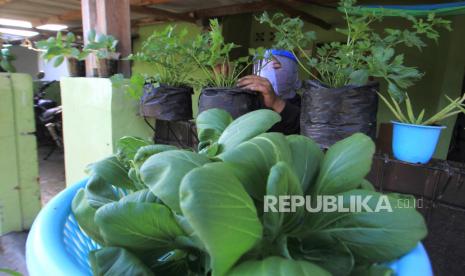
(62, 48)
(104, 48)
(415, 138)
(167, 95)
(6, 57)
(186, 213)
(220, 74)
(341, 98)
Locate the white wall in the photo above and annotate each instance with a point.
(30, 62)
(52, 73)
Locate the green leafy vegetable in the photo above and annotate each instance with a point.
(163, 173)
(117, 261)
(166, 51)
(137, 225)
(211, 53)
(221, 213)
(275, 266)
(158, 210)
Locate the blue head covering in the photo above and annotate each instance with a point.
(285, 80)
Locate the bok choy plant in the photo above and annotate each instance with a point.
(202, 213)
(365, 53)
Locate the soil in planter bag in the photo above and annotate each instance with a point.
(332, 114)
(236, 101)
(167, 102)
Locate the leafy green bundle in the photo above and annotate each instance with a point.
(188, 213)
(166, 51)
(60, 48)
(366, 53)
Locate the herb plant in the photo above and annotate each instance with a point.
(201, 213)
(365, 53)
(212, 55)
(6, 57)
(454, 107)
(104, 46)
(60, 47)
(166, 51)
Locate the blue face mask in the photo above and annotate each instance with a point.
(285, 80)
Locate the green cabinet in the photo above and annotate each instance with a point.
(19, 175)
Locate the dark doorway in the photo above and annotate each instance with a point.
(457, 144)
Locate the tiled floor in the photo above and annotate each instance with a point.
(52, 181)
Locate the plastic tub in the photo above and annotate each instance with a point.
(414, 143)
(57, 246)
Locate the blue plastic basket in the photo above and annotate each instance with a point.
(57, 246)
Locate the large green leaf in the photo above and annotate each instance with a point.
(146, 151)
(333, 256)
(137, 225)
(372, 270)
(276, 266)
(110, 261)
(128, 146)
(253, 160)
(306, 159)
(85, 214)
(221, 213)
(345, 165)
(246, 127)
(144, 195)
(98, 192)
(282, 182)
(163, 173)
(211, 123)
(112, 171)
(381, 235)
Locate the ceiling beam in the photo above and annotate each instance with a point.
(72, 15)
(147, 2)
(232, 9)
(302, 14)
(161, 13)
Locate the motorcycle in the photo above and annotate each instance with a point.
(48, 119)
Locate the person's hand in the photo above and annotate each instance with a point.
(264, 87)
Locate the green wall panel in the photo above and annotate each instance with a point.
(95, 116)
(19, 187)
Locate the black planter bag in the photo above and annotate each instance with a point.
(167, 102)
(332, 114)
(236, 101)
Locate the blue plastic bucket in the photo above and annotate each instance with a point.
(415, 143)
(57, 246)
